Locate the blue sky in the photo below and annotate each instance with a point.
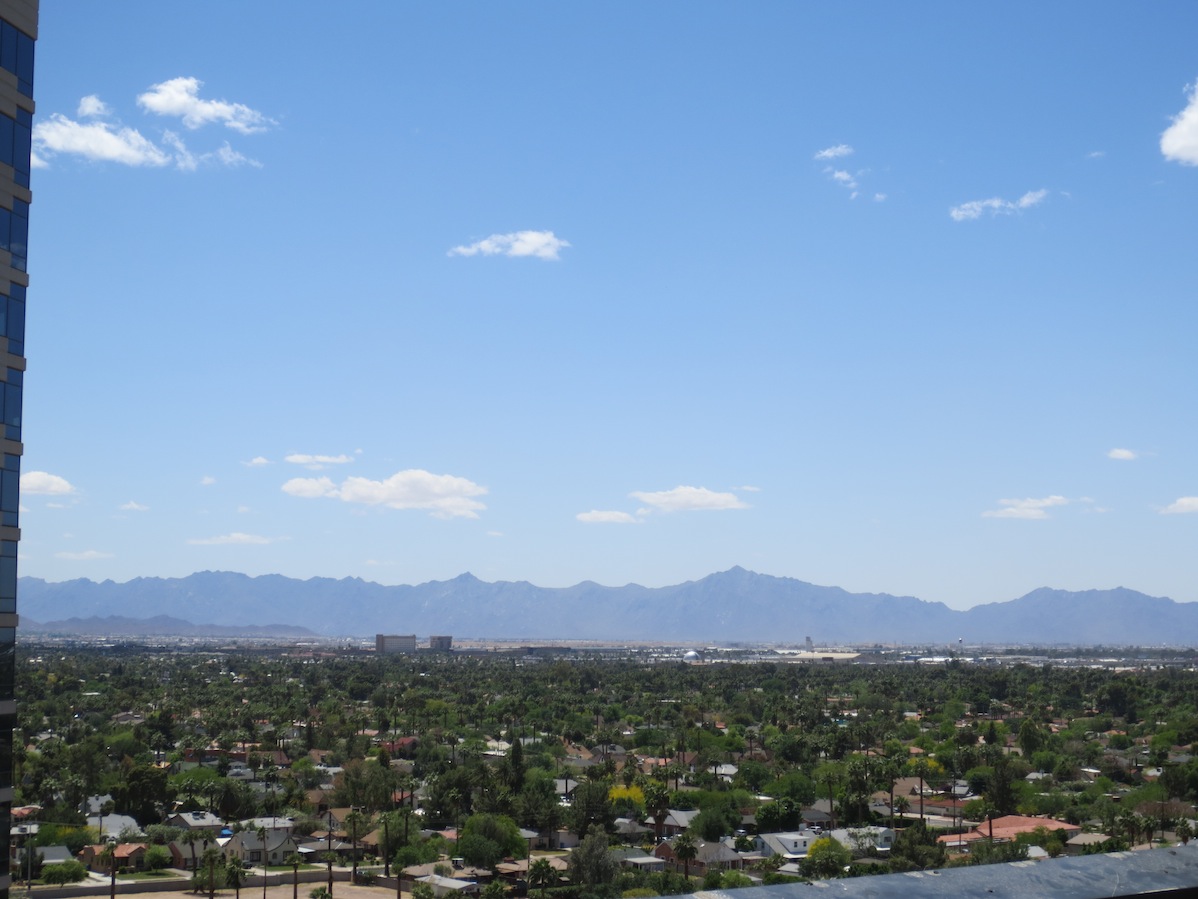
(900, 299)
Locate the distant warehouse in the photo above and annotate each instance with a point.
(393, 643)
(440, 644)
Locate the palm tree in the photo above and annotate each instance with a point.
(685, 850)
(234, 875)
(265, 859)
(295, 861)
(657, 803)
(541, 874)
(189, 838)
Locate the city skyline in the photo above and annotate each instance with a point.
(894, 301)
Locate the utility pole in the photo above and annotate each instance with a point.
(330, 854)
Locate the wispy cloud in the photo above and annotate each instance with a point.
(234, 539)
(316, 462)
(43, 483)
(1033, 509)
(597, 517)
(88, 555)
(996, 206)
(441, 495)
(257, 462)
(91, 137)
(538, 244)
(97, 141)
(687, 499)
(835, 152)
(1181, 506)
(1179, 142)
(1123, 455)
(180, 97)
(207, 480)
(133, 506)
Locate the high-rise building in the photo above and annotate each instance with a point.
(391, 643)
(18, 31)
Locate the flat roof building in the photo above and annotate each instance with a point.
(394, 643)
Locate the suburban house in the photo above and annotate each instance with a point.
(188, 855)
(129, 857)
(864, 840)
(1005, 830)
(708, 856)
(791, 845)
(196, 821)
(249, 848)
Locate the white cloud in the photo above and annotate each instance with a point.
(187, 161)
(441, 495)
(541, 244)
(597, 517)
(996, 206)
(45, 484)
(843, 178)
(1124, 455)
(91, 106)
(310, 488)
(207, 480)
(95, 140)
(85, 556)
(1179, 142)
(180, 97)
(879, 198)
(234, 539)
(133, 506)
(834, 152)
(257, 462)
(1025, 508)
(1181, 506)
(749, 488)
(494, 533)
(316, 462)
(1096, 154)
(230, 157)
(243, 510)
(683, 499)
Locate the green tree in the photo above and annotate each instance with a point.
(590, 865)
(685, 849)
(64, 872)
(294, 860)
(826, 857)
(234, 875)
(541, 875)
(157, 858)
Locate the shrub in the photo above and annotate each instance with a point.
(64, 872)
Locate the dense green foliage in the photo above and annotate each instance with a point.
(95, 722)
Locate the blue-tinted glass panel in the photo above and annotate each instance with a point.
(14, 376)
(12, 405)
(8, 131)
(24, 64)
(19, 242)
(15, 326)
(7, 669)
(8, 47)
(21, 147)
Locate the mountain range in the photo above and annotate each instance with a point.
(729, 606)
